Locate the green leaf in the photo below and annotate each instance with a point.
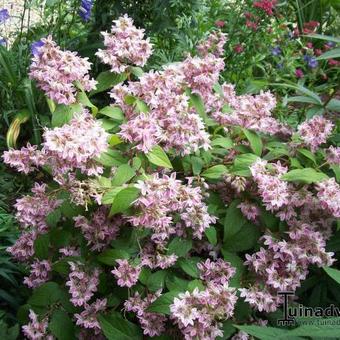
(111, 158)
(224, 142)
(61, 326)
(123, 200)
(302, 99)
(332, 54)
(237, 263)
(53, 218)
(233, 221)
(82, 98)
(136, 71)
(255, 141)
(245, 239)
(45, 295)
(197, 165)
(162, 304)
(197, 102)
(215, 172)
(158, 157)
(110, 195)
(41, 245)
(211, 235)
(306, 175)
(242, 164)
(113, 112)
(123, 174)
(307, 154)
(114, 327)
(63, 114)
(141, 106)
(333, 105)
(189, 266)
(264, 333)
(333, 273)
(110, 256)
(174, 282)
(179, 246)
(195, 284)
(336, 170)
(107, 80)
(156, 280)
(323, 37)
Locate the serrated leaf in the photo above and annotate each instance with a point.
(61, 326)
(123, 174)
(255, 141)
(234, 220)
(114, 327)
(123, 200)
(110, 256)
(162, 304)
(211, 235)
(224, 142)
(156, 280)
(306, 175)
(215, 172)
(189, 266)
(41, 245)
(113, 112)
(242, 164)
(179, 246)
(107, 80)
(45, 295)
(111, 158)
(158, 157)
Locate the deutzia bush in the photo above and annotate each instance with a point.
(180, 210)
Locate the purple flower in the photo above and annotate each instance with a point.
(2, 42)
(276, 51)
(311, 61)
(35, 47)
(85, 9)
(330, 43)
(4, 15)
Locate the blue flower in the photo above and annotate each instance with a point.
(2, 42)
(276, 51)
(85, 9)
(311, 61)
(4, 15)
(330, 43)
(279, 66)
(35, 47)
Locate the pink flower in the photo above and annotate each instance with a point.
(57, 71)
(250, 211)
(197, 314)
(315, 131)
(126, 274)
(23, 247)
(329, 196)
(88, 317)
(40, 273)
(238, 48)
(333, 155)
(83, 284)
(125, 44)
(220, 23)
(25, 160)
(100, 231)
(153, 324)
(33, 210)
(213, 44)
(36, 330)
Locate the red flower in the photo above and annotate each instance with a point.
(238, 48)
(299, 73)
(266, 5)
(219, 23)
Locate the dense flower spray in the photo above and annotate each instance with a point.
(125, 45)
(57, 71)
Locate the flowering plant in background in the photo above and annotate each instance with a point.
(179, 210)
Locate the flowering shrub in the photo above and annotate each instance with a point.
(181, 209)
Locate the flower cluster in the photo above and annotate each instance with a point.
(213, 44)
(125, 45)
(328, 193)
(163, 197)
(268, 6)
(315, 131)
(40, 273)
(170, 121)
(82, 285)
(251, 112)
(153, 324)
(35, 329)
(100, 231)
(197, 314)
(126, 274)
(85, 9)
(57, 71)
(72, 146)
(282, 265)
